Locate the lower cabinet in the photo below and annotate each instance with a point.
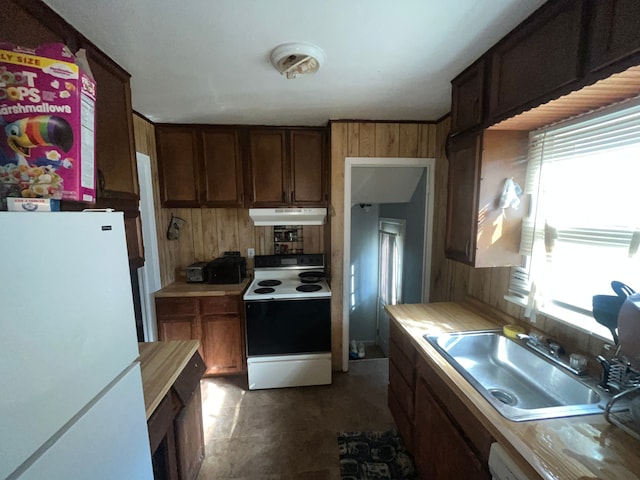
(402, 383)
(215, 321)
(445, 438)
(449, 441)
(176, 433)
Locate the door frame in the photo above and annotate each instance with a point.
(391, 162)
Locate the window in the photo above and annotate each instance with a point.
(584, 227)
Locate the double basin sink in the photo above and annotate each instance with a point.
(518, 383)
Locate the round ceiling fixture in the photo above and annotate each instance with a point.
(292, 59)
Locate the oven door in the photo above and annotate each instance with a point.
(284, 327)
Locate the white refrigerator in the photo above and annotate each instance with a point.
(71, 401)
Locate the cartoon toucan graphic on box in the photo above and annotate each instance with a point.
(39, 131)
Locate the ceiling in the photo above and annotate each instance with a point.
(204, 61)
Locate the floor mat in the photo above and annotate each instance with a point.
(374, 456)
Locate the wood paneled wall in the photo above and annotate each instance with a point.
(208, 232)
(360, 139)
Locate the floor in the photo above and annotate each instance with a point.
(290, 433)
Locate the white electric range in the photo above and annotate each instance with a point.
(288, 322)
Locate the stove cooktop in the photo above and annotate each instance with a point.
(278, 277)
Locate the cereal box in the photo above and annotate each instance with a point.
(47, 123)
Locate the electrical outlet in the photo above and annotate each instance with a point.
(251, 252)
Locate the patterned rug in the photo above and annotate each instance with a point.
(374, 456)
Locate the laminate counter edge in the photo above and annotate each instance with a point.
(161, 363)
(183, 289)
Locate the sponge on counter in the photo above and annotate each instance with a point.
(512, 330)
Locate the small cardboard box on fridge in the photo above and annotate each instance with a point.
(47, 123)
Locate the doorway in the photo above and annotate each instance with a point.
(397, 196)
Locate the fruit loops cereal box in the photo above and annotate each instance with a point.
(47, 123)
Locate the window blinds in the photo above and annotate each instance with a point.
(603, 147)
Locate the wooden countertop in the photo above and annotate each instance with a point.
(181, 288)
(584, 447)
(161, 363)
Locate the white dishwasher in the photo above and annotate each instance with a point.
(502, 466)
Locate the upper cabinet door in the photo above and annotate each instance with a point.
(462, 202)
(222, 167)
(307, 167)
(115, 150)
(467, 102)
(178, 166)
(538, 58)
(613, 34)
(267, 163)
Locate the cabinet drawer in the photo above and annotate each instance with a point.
(176, 306)
(226, 304)
(403, 341)
(189, 379)
(402, 391)
(405, 425)
(403, 364)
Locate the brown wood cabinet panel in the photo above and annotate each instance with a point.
(477, 437)
(178, 327)
(115, 151)
(178, 166)
(613, 34)
(225, 304)
(404, 424)
(176, 306)
(536, 59)
(405, 366)
(441, 450)
(467, 97)
(21, 23)
(190, 438)
(462, 196)
(403, 392)
(307, 167)
(222, 339)
(222, 157)
(267, 163)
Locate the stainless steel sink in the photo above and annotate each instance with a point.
(520, 384)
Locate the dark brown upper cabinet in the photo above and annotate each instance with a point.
(613, 35)
(178, 153)
(115, 149)
(467, 98)
(464, 152)
(478, 232)
(287, 167)
(269, 182)
(221, 155)
(308, 184)
(537, 59)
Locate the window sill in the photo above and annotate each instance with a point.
(568, 317)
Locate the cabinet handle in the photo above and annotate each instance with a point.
(284, 197)
(292, 195)
(466, 248)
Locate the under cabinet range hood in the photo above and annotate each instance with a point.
(263, 217)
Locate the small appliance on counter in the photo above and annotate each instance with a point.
(231, 268)
(196, 272)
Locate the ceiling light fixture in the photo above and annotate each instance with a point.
(292, 59)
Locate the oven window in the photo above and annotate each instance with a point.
(277, 327)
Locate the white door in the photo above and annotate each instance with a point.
(391, 250)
